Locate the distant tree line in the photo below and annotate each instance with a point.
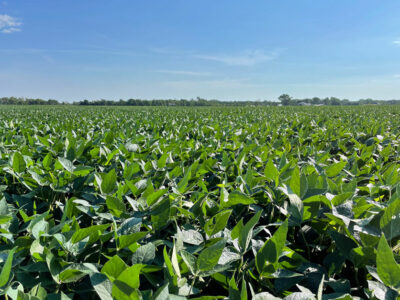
(28, 101)
(283, 100)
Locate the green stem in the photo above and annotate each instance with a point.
(192, 285)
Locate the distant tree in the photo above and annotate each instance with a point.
(52, 102)
(335, 101)
(285, 99)
(316, 100)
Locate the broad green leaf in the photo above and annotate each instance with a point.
(246, 233)
(267, 257)
(294, 183)
(115, 205)
(144, 255)
(114, 267)
(190, 261)
(109, 182)
(71, 275)
(390, 221)
(127, 282)
(160, 214)
(127, 240)
(82, 170)
(67, 164)
(101, 285)
(387, 268)
(153, 197)
(185, 180)
(271, 172)
(334, 169)
(296, 207)
(18, 163)
(47, 161)
(235, 198)
(265, 296)
(209, 257)
(217, 222)
(235, 233)
(162, 293)
(6, 270)
(85, 232)
(5, 219)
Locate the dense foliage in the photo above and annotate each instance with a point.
(199, 203)
(284, 100)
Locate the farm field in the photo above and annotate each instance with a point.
(199, 203)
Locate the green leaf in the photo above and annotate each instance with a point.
(47, 161)
(321, 288)
(185, 180)
(390, 221)
(265, 296)
(235, 198)
(174, 261)
(67, 164)
(101, 285)
(127, 282)
(209, 257)
(6, 270)
(294, 182)
(243, 291)
(85, 232)
(153, 197)
(144, 254)
(235, 233)
(109, 182)
(127, 240)
(271, 172)
(161, 163)
(217, 222)
(334, 169)
(296, 207)
(115, 205)
(246, 233)
(71, 275)
(190, 261)
(5, 219)
(18, 163)
(387, 268)
(267, 257)
(160, 214)
(162, 293)
(82, 170)
(114, 267)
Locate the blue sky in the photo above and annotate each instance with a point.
(225, 49)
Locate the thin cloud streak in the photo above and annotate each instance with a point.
(181, 72)
(9, 24)
(248, 58)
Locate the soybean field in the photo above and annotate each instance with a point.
(199, 203)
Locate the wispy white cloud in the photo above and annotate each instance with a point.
(11, 30)
(181, 72)
(9, 24)
(396, 42)
(247, 58)
(396, 75)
